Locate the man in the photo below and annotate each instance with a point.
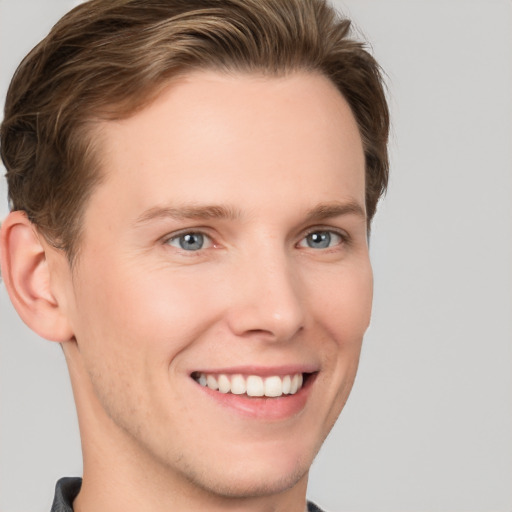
(192, 186)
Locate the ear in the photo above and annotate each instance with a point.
(28, 280)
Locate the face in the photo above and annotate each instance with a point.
(223, 285)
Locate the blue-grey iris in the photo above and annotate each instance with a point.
(319, 239)
(191, 241)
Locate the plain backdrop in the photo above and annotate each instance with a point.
(429, 424)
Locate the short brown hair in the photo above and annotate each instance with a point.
(106, 59)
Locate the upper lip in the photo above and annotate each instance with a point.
(263, 371)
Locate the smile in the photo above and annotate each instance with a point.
(251, 385)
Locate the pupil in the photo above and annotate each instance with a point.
(192, 241)
(321, 239)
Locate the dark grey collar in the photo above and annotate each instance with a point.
(66, 491)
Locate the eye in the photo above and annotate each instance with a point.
(190, 241)
(321, 239)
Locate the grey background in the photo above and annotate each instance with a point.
(429, 424)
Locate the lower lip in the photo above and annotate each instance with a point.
(264, 408)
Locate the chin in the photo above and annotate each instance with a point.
(252, 482)
(259, 470)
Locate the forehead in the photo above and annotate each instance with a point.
(211, 135)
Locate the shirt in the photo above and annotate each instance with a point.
(67, 490)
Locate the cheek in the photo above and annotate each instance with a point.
(141, 317)
(342, 304)
(343, 301)
(130, 329)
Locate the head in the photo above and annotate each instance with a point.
(197, 181)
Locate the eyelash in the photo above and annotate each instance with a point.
(343, 238)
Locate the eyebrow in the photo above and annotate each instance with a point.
(335, 209)
(190, 212)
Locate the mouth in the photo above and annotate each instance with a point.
(253, 386)
(259, 393)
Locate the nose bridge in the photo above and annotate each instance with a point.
(269, 297)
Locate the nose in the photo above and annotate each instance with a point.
(266, 298)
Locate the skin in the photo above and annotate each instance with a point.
(141, 313)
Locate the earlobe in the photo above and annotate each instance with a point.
(27, 277)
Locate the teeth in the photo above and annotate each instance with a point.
(273, 386)
(287, 382)
(295, 384)
(211, 382)
(255, 386)
(238, 386)
(252, 385)
(224, 384)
